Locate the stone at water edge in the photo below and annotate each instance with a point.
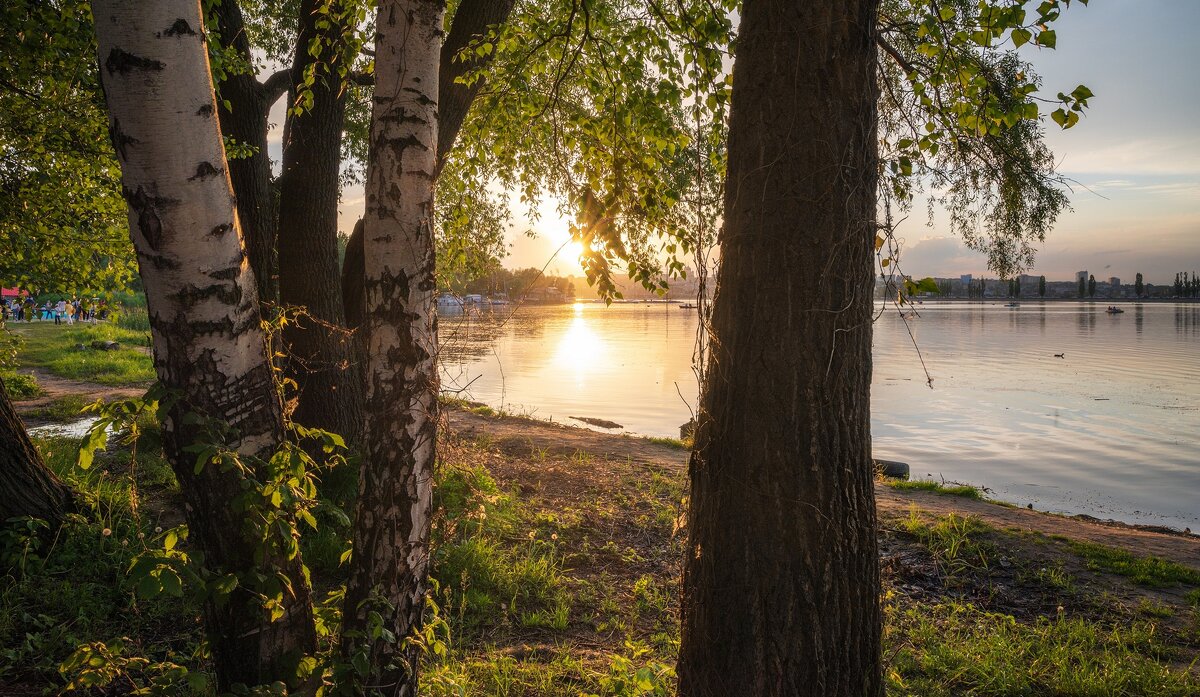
(892, 468)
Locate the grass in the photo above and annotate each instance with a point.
(488, 574)
(957, 649)
(53, 348)
(964, 490)
(671, 442)
(1151, 571)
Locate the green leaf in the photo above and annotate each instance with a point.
(1020, 37)
(1047, 38)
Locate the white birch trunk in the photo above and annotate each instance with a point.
(391, 535)
(209, 347)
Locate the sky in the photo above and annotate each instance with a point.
(1135, 156)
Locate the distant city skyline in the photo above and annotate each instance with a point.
(1135, 156)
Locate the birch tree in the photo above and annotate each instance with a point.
(389, 568)
(209, 347)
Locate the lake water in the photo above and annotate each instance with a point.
(1111, 429)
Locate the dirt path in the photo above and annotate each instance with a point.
(528, 435)
(55, 388)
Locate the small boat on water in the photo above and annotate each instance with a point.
(687, 306)
(1114, 310)
(1013, 305)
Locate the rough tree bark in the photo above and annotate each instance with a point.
(209, 348)
(781, 576)
(27, 486)
(391, 531)
(320, 350)
(471, 19)
(245, 120)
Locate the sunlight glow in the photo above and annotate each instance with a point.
(580, 349)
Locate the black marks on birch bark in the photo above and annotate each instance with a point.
(146, 207)
(121, 139)
(180, 28)
(204, 170)
(220, 230)
(205, 110)
(225, 293)
(123, 62)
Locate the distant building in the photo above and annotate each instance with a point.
(1114, 282)
(1081, 276)
(965, 279)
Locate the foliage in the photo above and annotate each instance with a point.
(596, 104)
(62, 220)
(960, 113)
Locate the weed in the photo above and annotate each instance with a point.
(649, 596)
(953, 541)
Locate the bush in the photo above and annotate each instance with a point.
(20, 386)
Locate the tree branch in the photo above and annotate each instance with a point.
(276, 86)
(891, 51)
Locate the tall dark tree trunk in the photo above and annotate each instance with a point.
(209, 348)
(245, 121)
(781, 580)
(27, 486)
(319, 348)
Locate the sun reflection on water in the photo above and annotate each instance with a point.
(580, 350)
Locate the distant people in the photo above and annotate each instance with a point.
(60, 311)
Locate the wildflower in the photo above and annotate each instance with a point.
(124, 543)
(158, 528)
(532, 534)
(141, 535)
(553, 536)
(106, 532)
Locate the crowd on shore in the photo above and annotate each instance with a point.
(60, 312)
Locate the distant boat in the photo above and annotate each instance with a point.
(1114, 310)
(687, 306)
(1013, 305)
(447, 302)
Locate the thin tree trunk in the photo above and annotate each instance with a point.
(781, 578)
(245, 121)
(391, 534)
(209, 348)
(318, 347)
(27, 486)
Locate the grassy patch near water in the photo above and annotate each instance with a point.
(964, 490)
